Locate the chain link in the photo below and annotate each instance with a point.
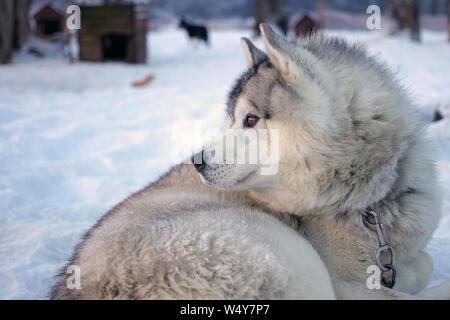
(388, 272)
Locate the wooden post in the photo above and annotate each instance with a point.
(414, 14)
(320, 15)
(14, 27)
(259, 14)
(21, 27)
(448, 19)
(6, 29)
(68, 40)
(140, 12)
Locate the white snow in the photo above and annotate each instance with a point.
(77, 139)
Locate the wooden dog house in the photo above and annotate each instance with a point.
(49, 20)
(113, 31)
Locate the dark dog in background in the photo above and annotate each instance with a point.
(195, 32)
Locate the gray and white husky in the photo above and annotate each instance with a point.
(349, 138)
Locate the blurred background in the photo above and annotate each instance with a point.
(98, 100)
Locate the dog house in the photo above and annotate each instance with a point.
(49, 19)
(113, 31)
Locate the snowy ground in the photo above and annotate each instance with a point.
(76, 139)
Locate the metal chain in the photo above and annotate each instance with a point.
(372, 222)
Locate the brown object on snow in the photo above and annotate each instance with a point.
(143, 82)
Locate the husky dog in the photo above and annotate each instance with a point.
(349, 139)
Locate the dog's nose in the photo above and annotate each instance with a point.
(198, 161)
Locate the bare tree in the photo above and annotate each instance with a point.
(21, 26)
(6, 29)
(14, 27)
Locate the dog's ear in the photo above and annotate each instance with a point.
(252, 54)
(295, 63)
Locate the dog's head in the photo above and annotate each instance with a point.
(299, 137)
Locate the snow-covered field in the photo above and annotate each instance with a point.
(76, 139)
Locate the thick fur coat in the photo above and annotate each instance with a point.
(180, 239)
(349, 139)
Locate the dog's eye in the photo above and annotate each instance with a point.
(250, 121)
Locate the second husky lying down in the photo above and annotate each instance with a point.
(349, 139)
